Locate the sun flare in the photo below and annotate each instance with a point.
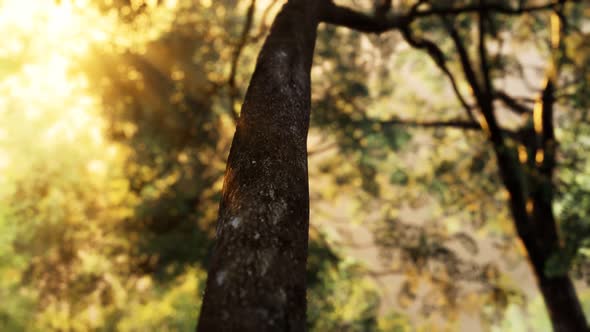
(45, 96)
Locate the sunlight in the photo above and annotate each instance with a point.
(44, 40)
(68, 28)
(42, 85)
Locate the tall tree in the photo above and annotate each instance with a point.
(257, 275)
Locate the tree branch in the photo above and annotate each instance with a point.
(483, 53)
(548, 131)
(231, 81)
(380, 23)
(263, 28)
(438, 57)
(512, 103)
(342, 16)
(454, 123)
(491, 7)
(464, 59)
(511, 171)
(321, 149)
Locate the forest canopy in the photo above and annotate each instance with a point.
(116, 120)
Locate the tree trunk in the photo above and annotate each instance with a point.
(536, 228)
(538, 232)
(562, 304)
(257, 274)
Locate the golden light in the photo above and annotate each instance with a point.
(539, 156)
(44, 40)
(68, 28)
(530, 206)
(555, 30)
(483, 123)
(538, 116)
(46, 99)
(522, 154)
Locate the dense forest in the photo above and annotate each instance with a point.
(406, 165)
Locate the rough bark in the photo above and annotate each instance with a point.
(257, 275)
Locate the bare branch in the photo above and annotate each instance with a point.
(464, 59)
(439, 59)
(380, 23)
(491, 7)
(233, 93)
(355, 20)
(455, 123)
(514, 104)
(483, 53)
(548, 131)
(263, 28)
(321, 149)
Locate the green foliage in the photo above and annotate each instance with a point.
(343, 301)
